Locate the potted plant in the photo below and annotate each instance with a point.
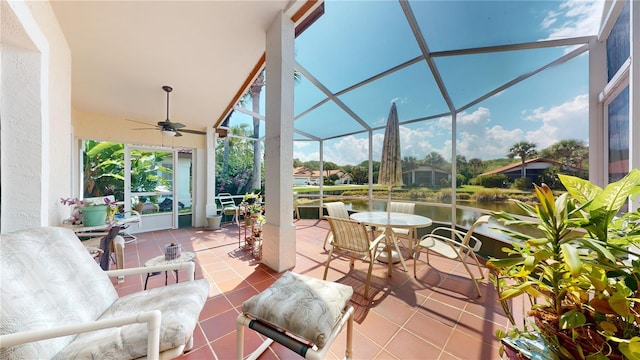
(255, 209)
(577, 272)
(87, 212)
(250, 198)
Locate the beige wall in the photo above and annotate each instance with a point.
(103, 127)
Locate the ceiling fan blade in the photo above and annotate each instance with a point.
(177, 134)
(198, 132)
(153, 128)
(140, 122)
(170, 124)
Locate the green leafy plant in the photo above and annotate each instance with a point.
(250, 197)
(577, 270)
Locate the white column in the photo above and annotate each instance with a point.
(597, 145)
(209, 176)
(279, 244)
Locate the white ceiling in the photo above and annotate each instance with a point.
(123, 52)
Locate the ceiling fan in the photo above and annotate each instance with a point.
(167, 127)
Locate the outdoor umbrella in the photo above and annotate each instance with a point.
(391, 162)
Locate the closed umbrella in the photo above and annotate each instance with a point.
(391, 162)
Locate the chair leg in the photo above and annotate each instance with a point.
(326, 240)
(416, 255)
(475, 258)
(366, 285)
(473, 278)
(326, 267)
(349, 351)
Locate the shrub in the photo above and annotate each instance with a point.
(523, 183)
(490, 195)
(493, 181)
(444, 195)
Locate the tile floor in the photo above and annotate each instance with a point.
(436, 316)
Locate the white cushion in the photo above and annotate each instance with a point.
(48, 279)
(304, 306)
(180, 305)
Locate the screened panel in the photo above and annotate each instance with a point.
(468, 77)
(306, 95)
(451, 25)
(339, 43)
(618, 45)
(326, 121)
(413, 88)
(618, 114)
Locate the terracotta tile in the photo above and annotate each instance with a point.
(215, 306)
(404, 318)
(237, 297)
(199, 340)
(429, 329)
(393, 310)
(444, 313)
(385, 355)
(407, 346)
(220, 325)
(474, 347)
(363, 346)
(198, 354)
(378, 329)
(225, 347)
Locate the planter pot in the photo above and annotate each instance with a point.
(172, 252)
(94, 215)
(213, 222)
(587, 341)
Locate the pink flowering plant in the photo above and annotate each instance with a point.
(77, 205)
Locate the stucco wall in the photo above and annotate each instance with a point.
(36, 128)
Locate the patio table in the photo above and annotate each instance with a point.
(390, 220)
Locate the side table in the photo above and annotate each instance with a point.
(160, 260)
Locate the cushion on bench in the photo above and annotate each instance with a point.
(180, 305)
(300, 305)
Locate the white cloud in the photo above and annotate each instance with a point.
(573, 18)
(569, 120)
(477, 137)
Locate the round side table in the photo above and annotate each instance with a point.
(160, 260)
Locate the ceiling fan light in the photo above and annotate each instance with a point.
(168, 132)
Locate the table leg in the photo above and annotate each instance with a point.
(387, 240)
(395, 242)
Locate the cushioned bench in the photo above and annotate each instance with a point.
(56, 302)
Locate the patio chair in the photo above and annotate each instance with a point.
(458, 245)
(351, 239)
(337, 210)
(408, 233)
(229, 207)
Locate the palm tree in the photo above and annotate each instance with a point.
(567, 149)
(433, 160)
(475, 164)
(409, 163)
(523, 149)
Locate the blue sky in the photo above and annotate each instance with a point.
(355, 40)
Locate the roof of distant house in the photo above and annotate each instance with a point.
(518, 165)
